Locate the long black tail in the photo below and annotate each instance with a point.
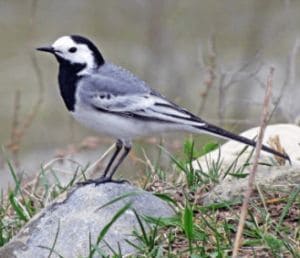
(226, 134)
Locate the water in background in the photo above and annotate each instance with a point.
(209, 56)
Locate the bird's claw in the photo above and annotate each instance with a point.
(102, 180)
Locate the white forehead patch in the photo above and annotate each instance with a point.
(83, 54)
(63, 42)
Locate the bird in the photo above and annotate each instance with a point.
(113, 101)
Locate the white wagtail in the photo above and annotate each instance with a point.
(115, 102)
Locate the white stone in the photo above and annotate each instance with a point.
(231, 187)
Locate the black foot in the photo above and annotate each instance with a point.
(102, 180)
(86, 182)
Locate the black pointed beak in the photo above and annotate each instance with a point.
(46, 49)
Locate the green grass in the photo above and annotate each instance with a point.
(197, 230)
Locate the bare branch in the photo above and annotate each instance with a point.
(210, 73)
(228, 79)
(251, 180)
(19, 128)
(289, 80)
(243, 73)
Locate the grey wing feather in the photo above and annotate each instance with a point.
(113, 94)
(117, 90)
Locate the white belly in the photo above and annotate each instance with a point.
(119, 127)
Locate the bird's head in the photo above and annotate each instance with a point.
(75, 50)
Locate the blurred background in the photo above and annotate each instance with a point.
(212, 57)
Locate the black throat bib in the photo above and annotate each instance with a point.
(67, 79)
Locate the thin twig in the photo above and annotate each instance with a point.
(210, 75)
(251, 180)
(94, 168)
(19, 128)
(14, 145)
(287, 85)
(289, 80)
(230, 78)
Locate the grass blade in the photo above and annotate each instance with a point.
(188, 223)
(51, 249)
(145, 237)
(22, 214)
(285, 210)
(104, 231)
(118, 198)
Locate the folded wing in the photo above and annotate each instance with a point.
(115, 96)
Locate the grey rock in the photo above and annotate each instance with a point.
(77, 215)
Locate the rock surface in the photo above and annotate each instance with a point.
(77, 215)
(232, 188)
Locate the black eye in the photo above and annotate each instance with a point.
(72, 49)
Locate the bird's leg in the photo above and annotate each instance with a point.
(103, 178)
(119, 146)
